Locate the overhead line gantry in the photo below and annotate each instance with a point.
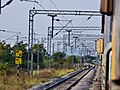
(34, 12)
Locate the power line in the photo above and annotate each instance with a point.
(35, 1)
(6, 3)
(60, 23)
(57, 9)
(40, 5)
(54, 4)
(11, 36)
(86, 20)
(63, 27)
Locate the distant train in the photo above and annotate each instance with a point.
(110, 53)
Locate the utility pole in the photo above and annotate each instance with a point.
(71, 49)
(42, 42)
(95, 45)
(75, 42)
(0, 6)
(66, 47)
(64, 43)
(79, 50)
(53, 47)
(38, 54)
(85, 50)
(18, 59)
(53, 16)
(48, 40)
(58, 46)
(68, 36)
(82, 48)
(18, 67)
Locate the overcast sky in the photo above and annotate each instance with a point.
(14, 17)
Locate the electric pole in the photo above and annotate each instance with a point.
(0, 6)
(53, 47)
(38, 66)
(68, 36)
(75, 41)
(53, 16)
(18, 63)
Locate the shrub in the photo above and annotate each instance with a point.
(4, 68)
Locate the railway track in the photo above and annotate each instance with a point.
(69, 82)
(64, 83)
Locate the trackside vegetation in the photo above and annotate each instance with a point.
(52, 66)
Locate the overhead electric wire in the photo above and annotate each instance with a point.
(62, 28)
(40, 5)
(57, 9)
(11, 36)
(54, 4)
(89, 18)
(60, 23)
(7, 3)
(86, 19)
(35, 1)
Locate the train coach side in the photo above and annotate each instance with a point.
(111, 57)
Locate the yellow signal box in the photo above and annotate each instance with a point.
(18, 60)
(18, 53)
(100, 45)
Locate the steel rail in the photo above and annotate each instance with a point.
(56, 85)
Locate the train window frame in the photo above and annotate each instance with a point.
(106, 7)
(103, 23)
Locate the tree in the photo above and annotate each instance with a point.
(2, 54)
(57, 58)
(42, 54)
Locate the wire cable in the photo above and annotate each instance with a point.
(86, 20)
(6, 3)
(63, 28)
(40, 5)
(57, 9)
(35, 1)
(11, 36)
(54, 4)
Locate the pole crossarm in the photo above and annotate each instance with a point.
(79, 38)
(87, 39)
(77, 28)
(66, 12)
(86, 35)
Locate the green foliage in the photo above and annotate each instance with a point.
(4, 67)
(58, 58)
(89, 58)
(72, 59)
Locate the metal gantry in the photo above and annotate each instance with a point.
(74, 29)
(77, 28)
(33, 12)
(66, 12)
(75, 38)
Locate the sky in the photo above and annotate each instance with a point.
(14, 17)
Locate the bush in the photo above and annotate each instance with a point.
(4, 68)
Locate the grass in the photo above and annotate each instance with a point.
(10, 82)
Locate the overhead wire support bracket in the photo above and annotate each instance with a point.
(78, 27)
(67, 12)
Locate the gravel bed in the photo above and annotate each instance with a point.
(52, 81)
(96, 81)
(86, 82)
